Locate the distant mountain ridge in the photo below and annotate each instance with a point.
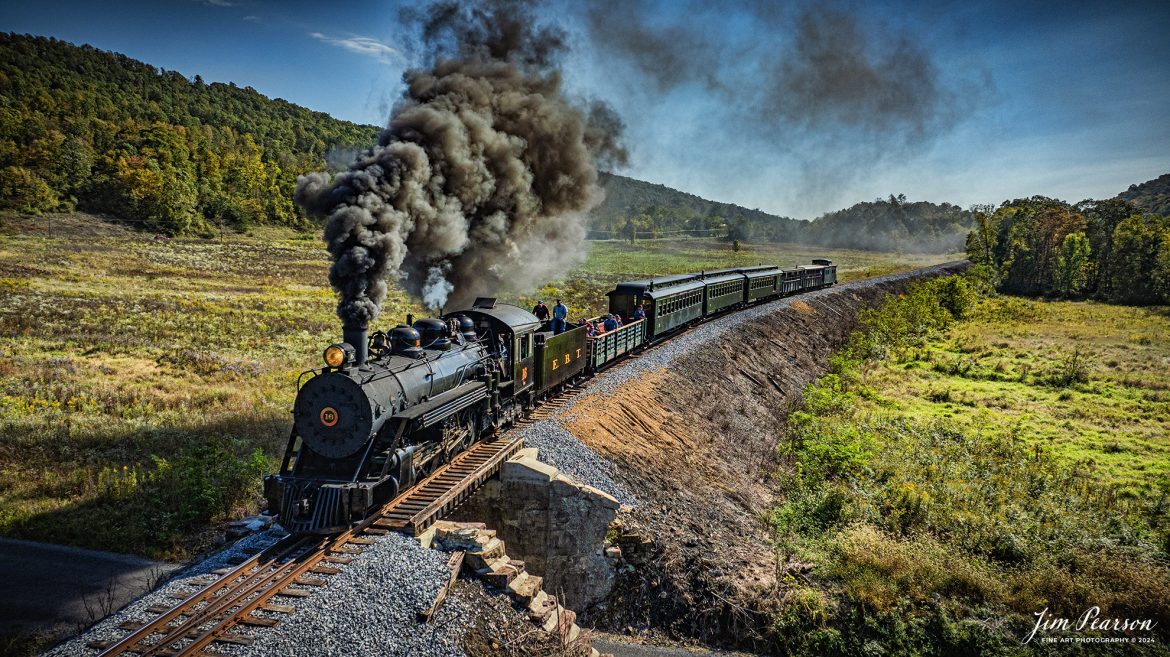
(1152, 196)
(626, 197)
(892, 224)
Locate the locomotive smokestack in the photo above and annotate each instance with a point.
(357, 335)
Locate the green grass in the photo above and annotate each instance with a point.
(943, 499)
(1088, 381)
(146, 384)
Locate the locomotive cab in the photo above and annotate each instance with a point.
(507, 331)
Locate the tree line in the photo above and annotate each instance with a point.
(1107, 250)
(86, 129)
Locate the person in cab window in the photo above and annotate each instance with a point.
(639, 313)
(559, 312)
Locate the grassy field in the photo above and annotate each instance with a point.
(1088, 381)
(950, 479)
(145, 384)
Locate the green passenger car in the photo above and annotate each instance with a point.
(763, 282)
(723, 291)
(672, 308)
(669, 301)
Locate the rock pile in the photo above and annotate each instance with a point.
(486, 558)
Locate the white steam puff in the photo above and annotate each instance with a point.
(436, 289)
(481, 181)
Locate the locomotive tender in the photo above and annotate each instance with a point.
(389, 408)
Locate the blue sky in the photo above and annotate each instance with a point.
(1070, 100)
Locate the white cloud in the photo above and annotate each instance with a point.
(219, 3)
(367, 46)
(252, 19)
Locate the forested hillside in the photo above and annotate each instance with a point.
(1151, 196)
(97, 131)
(893, 224)
(642, 209)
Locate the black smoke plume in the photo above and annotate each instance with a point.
(816, 67)
(837, 73)
(822, 85)
(482, 179)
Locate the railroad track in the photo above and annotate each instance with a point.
(295, 565)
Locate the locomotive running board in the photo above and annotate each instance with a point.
(445, 405)
(441, 492)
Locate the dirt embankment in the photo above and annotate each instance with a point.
(693, 436)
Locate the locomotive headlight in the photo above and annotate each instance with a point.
(337, 355)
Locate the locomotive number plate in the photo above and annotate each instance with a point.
(329, 416)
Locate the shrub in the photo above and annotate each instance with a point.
(956, 294)
(204, 483)
(1073, 369)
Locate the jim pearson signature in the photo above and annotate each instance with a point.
(1089, 620)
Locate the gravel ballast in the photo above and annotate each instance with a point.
(369, 608)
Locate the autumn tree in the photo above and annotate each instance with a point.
(1102, 218)
(1029, 234)
(981, 239)
(24, 191)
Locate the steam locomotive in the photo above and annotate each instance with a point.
(390, 407)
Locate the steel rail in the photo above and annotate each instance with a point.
(225, 583)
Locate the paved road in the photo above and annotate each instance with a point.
(56, 589)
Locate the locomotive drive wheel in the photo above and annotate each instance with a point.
(460, 437)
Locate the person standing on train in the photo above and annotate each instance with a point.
(610, 323)
(638, 313)
(541, 311)
(559, 312)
